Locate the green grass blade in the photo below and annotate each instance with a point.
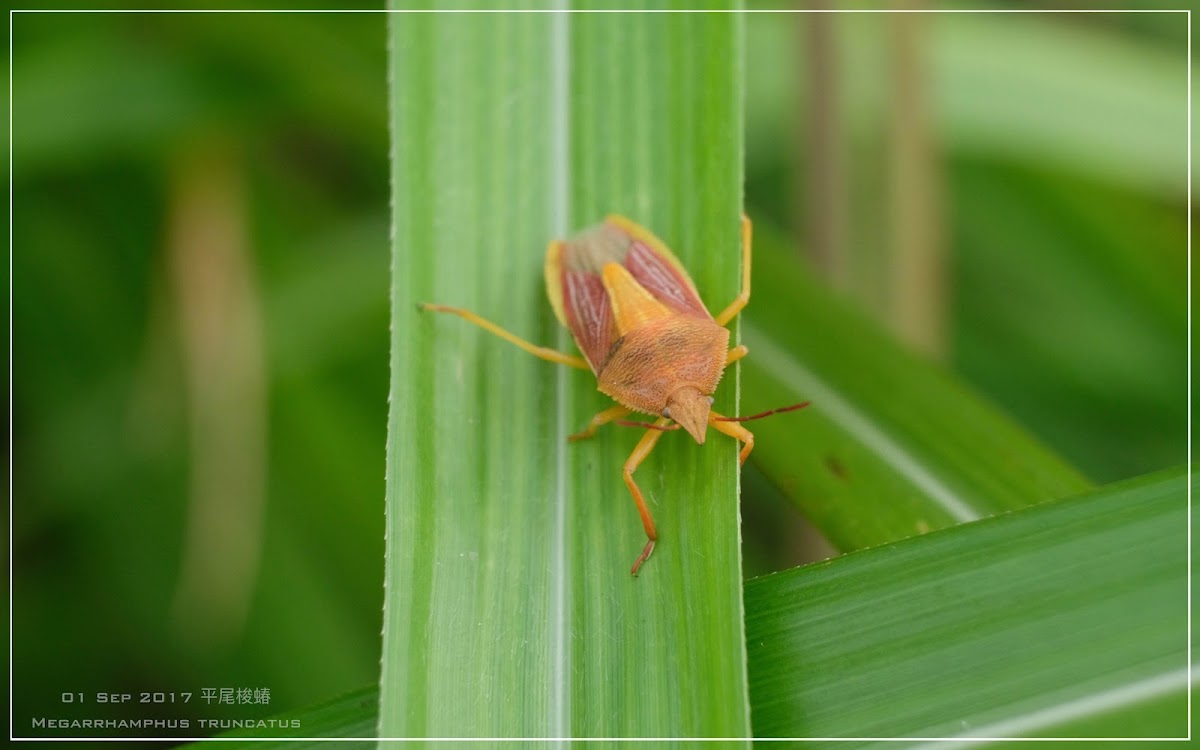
(1056, 620)
(510, 610)
(891, 446)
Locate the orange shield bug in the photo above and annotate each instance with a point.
(652, 344)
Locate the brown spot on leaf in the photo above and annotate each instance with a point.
(836, 467)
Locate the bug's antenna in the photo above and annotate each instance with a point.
(780, 410)
(675, 425)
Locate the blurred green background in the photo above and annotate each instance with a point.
(200, 311)
(200, 275)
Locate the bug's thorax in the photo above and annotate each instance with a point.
(678, 358)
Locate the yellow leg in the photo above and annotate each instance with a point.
(538, 351)
(734, 430)
(601, 419)
(643, 448)
(735, 354)
(743, 297)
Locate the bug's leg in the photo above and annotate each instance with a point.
(601, 419)
(551, 355)
(735, 354)
(643, 448)
(734, 430)
(743, 297)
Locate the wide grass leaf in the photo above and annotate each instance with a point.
(510, 611)
(1065, 619)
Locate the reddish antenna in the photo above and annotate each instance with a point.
(675, 425)
(780, 410)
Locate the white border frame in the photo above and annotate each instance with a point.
(1144, 690)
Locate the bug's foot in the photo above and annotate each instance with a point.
(642, 557)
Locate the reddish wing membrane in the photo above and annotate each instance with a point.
(663, 281)
(589, 315)
(657, 269)
(574, 281)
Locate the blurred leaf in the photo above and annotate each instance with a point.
(1051, 621)
(134, 102)
(162, 78)
(1039, 88)
(510, 610)
(334, 300)
(102, 104)
(1064, 137)
(1071, 310)
(1054, 91)
(891, 446)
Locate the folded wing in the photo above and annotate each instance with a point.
(575, 282)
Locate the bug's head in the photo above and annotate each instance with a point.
(689, 407)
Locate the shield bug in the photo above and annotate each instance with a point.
(652, 344)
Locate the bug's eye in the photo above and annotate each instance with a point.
(667, 412)
(710, 400)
